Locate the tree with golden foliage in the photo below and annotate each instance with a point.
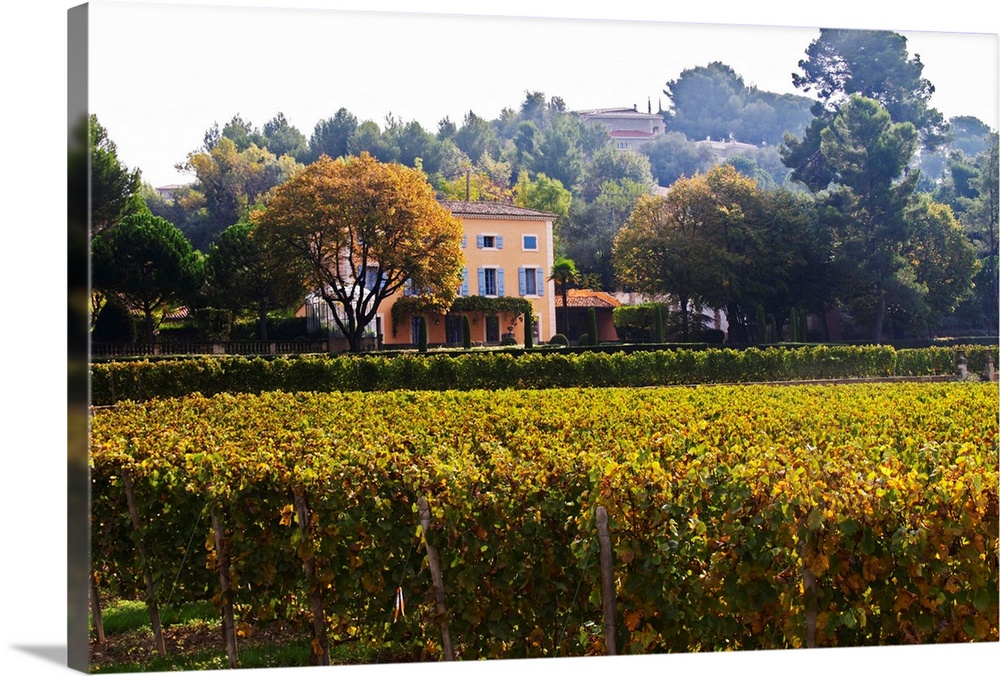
(677, 243)
(361, 229)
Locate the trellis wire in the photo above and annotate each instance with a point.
(402, 575)
(572, 603)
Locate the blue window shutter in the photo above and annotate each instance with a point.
(482, 282)
(540, 282)
(464, 291)
(499, 242)
(500, 282)
(479, 241)
(463, 240)
(520, 281)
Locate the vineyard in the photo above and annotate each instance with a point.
(750, 517)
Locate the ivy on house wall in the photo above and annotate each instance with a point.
(408, 306)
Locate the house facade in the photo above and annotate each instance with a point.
(508, 253)
(627, 127)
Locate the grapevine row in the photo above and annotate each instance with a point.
(740, 517)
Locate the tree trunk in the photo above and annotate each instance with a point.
(150, 328)
(684, 319)
(262, 323)
(354, 341)
(565, 301)
(880, 313)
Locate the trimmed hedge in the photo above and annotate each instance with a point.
(142, 380)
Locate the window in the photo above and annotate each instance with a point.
(531, 281)
(491, 282)
(489, 242)
(493, 329)
(453, 329)
(374, 279)
(530, 288)
(529, 242)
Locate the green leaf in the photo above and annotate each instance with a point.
(815, 519)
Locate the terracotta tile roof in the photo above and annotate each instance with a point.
(182, 312)
(618, 112)
(586, 298)
(494, 210)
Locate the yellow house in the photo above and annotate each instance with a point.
(508, 254)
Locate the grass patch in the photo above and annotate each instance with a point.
(122, 617)
(194, 641)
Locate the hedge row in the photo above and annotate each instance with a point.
(143, 380)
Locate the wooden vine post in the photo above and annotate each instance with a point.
(228, 617)
(607, 582)
(435, 565)
(809, 584)
(320, 639)
(154, 611)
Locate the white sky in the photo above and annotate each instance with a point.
(161, 74)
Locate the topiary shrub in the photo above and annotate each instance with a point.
(639, 323)
(114, 325)
(713, 336)
(213, 324)
(422, 334)
(559, 339)
(592, 336)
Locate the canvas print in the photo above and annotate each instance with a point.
(411, 337)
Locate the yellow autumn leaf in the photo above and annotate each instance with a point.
(632, 619)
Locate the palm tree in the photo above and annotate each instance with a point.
(564, 274)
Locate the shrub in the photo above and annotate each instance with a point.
(141, 380)
(114, 325)
(422, 334)
(713, 336)
(278, 328)
(638, 323)
(213, 324)
(559, 339)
